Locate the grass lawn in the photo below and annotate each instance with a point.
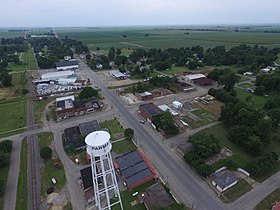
(49, 171)
(205, 116)
(245, 85)
(182, 69)
(12, 114)
(22, 195)
(241, 157)
(29, 60)
(113, 126)
(259, 101)
(236, 191)
(123, 146)
(80, 154)
(3, 176)
(269, 201)
(39, 108)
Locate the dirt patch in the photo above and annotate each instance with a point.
(214, 107)
(223, 154)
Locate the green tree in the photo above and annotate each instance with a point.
(88, 92)
(205, 145)
(260, 90)
(129, 133)
(2, 187)
(205, 170)
(272, 103)
(46, 153)
(166, 122)
(274, 115)
(111, 53)
(4, 160)
(263, 130)
(239, 134)
(228, 81)
(5, 79)
(119, 51)
(6, 146)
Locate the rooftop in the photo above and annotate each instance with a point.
(133, 167)
(66, 63)
(89, 127)
(117, 73)
(72, 137)
(86, 175)
(152, 109)
(194, 76)
(57, 74)
(146, 93)
(224, 179)
(203, 81)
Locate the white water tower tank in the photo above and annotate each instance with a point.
(98, 143)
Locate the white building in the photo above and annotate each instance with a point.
(224, 180)
(57, 75)
(165, 108)
(191, 77)
(66, 65)
(177, 104)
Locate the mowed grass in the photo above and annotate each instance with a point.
(12, 115)
(135, 38)
(49, 171)
(22, 195)
(40, 108)
(4, 176)
(183, 69)
(269, 201)
(236, 191)
(114, 127)
(123, 146)
(258, 101)
(241, 157)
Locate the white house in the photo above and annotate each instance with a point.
(224, 180)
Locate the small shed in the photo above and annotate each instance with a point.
(177, 104)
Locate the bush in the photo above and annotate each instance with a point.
(2, 187)
(24, 91)
(204, 170)
(4, 160)
(129, 133)
(6, 146)
(46, 153)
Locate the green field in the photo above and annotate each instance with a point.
(4, 33)
(12, 114)
(22, 196)
(205, 116)
(114, 127)
(269, 201)
(135, 37)
(258, 101)
(3, 176)
(241, 157)
(49, 171)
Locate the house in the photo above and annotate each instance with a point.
(224, 180)
(149, 111)
(203, 81)
(99, 66)
(134, 168)
(118, 75)
(144, 96)
(66, 65)
(155, 197)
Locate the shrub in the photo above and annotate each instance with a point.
(6, 146)
(46, 153)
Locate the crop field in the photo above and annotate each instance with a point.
(5, 33)
(154, 38)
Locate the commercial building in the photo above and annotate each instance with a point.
(118, 75)
(54, 76)
(191, 77)
(134, 169)
(204, 81)
(224, 180)
(66, 65)
(182, 86)
(144, 96)
(166, 108)
(149, 111)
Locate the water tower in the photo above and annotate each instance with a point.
(106, 191)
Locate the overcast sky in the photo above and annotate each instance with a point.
(136, 12)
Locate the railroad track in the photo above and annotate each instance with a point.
(33, 179)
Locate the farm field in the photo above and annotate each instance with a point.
(136, 38)
(4, 33)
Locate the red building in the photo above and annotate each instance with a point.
(149, 111)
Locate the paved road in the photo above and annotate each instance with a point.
(189, 187)
(11, 186)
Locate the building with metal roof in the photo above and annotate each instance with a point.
(149, 111)
(224, 180)
(134, 168)
(117, 74)
(66, 65)
(89, 127)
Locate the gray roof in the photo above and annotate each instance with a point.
(117, 73)
(224, 179)
(133, 167)
(88, 127)
(72, 137)
(152, 109)
(86, 175)
(66, 63)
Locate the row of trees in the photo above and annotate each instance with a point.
(204, 147)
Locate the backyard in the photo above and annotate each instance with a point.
(51, 168)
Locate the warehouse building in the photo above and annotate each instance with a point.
(66, 65)
(118, 75)
(134, 169)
